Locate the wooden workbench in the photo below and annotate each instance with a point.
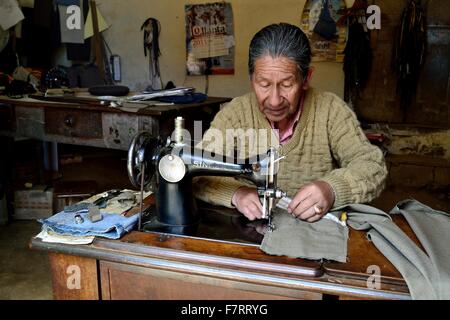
(84, 123)
(162, 266)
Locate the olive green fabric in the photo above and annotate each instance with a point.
(432, 228)
(324, 239)
(427, 274)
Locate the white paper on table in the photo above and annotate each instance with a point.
(66, 239)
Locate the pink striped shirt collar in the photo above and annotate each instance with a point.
(289, 132)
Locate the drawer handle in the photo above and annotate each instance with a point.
(69, 121)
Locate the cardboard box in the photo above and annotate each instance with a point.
(35, 203)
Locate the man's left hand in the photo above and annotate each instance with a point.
(312, 201)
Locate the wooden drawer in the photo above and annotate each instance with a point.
(73, 123)
(123, 282)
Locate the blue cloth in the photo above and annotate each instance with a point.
(68, 2)
(112, 226)
(195, 97)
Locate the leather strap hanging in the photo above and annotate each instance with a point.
(152, 29)
(410, 48)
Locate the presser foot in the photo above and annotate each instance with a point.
(270, 225)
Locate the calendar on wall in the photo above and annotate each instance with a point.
(209, 39)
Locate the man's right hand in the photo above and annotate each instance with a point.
(246, 201)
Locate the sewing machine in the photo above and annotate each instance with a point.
(169, 167)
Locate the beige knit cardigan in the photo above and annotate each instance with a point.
(328, 144)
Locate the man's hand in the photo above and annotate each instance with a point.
(312, 201)
(247, 202)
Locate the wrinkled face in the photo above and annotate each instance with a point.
(278, 85)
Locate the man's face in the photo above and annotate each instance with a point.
(278, 87)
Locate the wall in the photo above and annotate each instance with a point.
(431, 105)
(125, 39)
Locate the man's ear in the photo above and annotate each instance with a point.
(307, 79)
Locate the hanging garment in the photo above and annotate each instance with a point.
(152, 29)
(80, 52)
(358, 54)
(10, 14)
(427, 274)
(72, 34)
(410, 48)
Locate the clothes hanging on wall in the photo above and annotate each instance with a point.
(358, 53)
(70, 34)
(410, 49)
(80, 52)
(40, 35)
(152, 28)
(10, 14)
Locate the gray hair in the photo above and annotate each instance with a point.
(280, 40)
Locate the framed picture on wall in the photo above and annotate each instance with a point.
(209, 39)
(327, 37)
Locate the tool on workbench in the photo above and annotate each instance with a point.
(175, 163)
(78, 219)
(100, 202)
(108, 195)
(94, 214)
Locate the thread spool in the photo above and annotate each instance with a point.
(179, 127)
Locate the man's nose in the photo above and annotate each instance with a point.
(275, 98)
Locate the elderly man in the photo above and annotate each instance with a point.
(328, 161)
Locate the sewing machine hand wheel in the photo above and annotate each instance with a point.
(141, 151)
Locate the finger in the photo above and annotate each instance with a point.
(304, 206)
(248, 214)
(314, 218)
(258, 205)
(309, 213)
(255, 209)
(261, 229)
(319, 212)
(301, 196)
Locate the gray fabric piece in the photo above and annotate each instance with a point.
(412, 263)
(426, 274)
(432, 228)
(324, 239)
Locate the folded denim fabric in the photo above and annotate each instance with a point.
(324, 239)
(112, 226)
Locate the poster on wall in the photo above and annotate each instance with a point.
(209, 39)
(319, 22)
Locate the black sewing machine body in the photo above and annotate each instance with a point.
(174, 164)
